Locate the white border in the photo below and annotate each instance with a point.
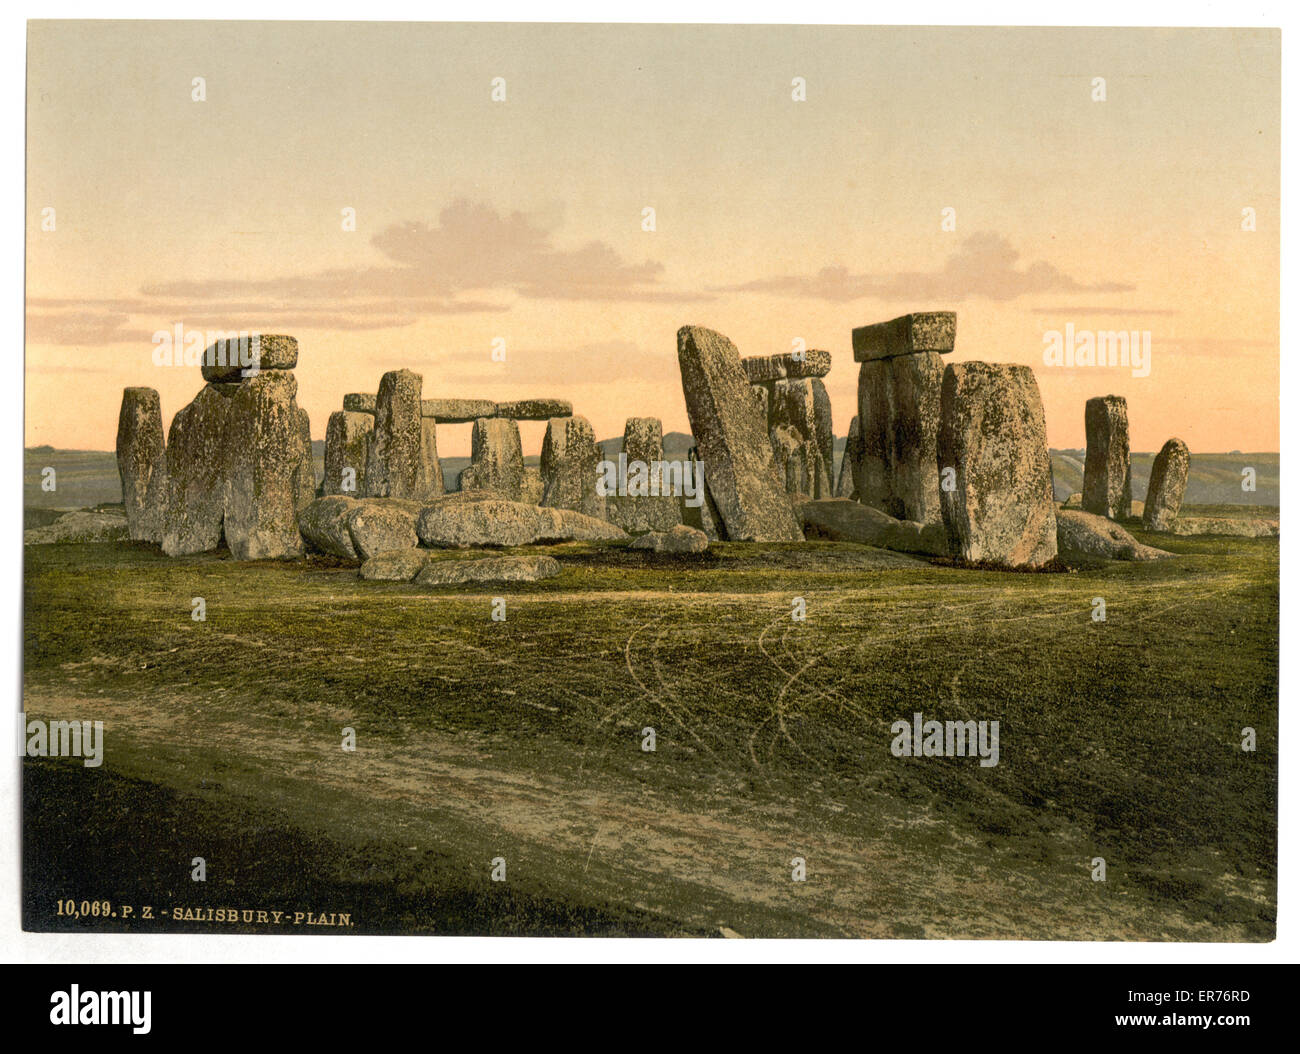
(95, 948)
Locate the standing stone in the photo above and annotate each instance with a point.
(846, 485)
(698, 509)
(429, 457)
(395, 466)
(142, 464)
(793, 422)
(1167, 486)
(347, 440)
(823, 435)
(732, 440)
(1107, 479)
(359, 403)
(570, 469)
(496, 459)
(264, 452)
(197, 453)
(993, 436)
(653, 498)
(305, 473)
(898, 415)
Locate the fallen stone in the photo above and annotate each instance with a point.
(1167, 486)
(921, 331)
(347, 439)
(85, 525)
(488, 569)
(1074, 501)
(1226, 525)
(360, 403)
(788, 365)
(234, 360)
(898, 415)
(680, 539)
(395, 565)
(1107, 479)
(1081, 536)
(395, 459)
(496, 459)
(452, 524)
(142, 464)
(380, 525)
(732, 440)
(324, 525)
(457, 411)
(993, 448)
(842, 520)
(569, 467)
(534, 409)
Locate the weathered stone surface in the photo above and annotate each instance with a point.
(533, 486)
(457, 523)
(846, 486)
(395, 565)
(360, 403)
(842, 520)
(324, 525)
(304, 477)
(534, 409)
(898, 421)
(1074, 501)
(1082, 537)
(732, 440)
(921, 331)
(226, 360)
(488, 569)
(993, 436)
(395, 463)
(1255, 527)
(429, 455)
(380, 525)
(347, 442)
(569, 467)
(142, 464)
(496, 459)
(790, 454)
(698, 509)
(763, 396)
(458, 411)
(794, 418)
(1107, 479)
(759, 368)
(84, 525)
(264, 451)
(824, 436)
(197, 455)
(680, 539)
(653, 501)
(1167, 486)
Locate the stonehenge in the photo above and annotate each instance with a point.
(732, 439)
(1166, 487)
(1107, 477)
(899, 383)
(941, 460)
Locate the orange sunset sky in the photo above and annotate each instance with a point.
(775, 219)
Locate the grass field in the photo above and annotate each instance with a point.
(522, 740)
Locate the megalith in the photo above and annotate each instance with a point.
(305, 473)
(1167, 486)
(347, 439)
(197, 477)
(995, 476)
(570, 467)
(496, 459)
(264, 438)
(732, 440)
(395, 464)
(142, 464)
(1107, 477)
(648, 493)
(846, 484)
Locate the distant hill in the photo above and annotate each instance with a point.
(85, 478)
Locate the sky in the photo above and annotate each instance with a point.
(480, 221)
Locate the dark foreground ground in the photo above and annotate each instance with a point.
(521, 741)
